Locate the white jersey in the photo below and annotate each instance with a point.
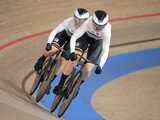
(67, 25)
(105, 34)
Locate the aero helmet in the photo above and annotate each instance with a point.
(100, 17)
(81, 13)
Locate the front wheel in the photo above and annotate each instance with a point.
(75, 87)
(39, 76)
(58, 98)
(56, 102)
(35, 84)
(48, 76)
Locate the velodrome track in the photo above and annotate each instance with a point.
(128, 88)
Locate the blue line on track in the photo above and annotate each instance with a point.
(115, 67)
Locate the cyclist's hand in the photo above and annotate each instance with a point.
(98, 70)
(73, 56)
(48, 46)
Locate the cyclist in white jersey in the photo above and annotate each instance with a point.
(61, 36)
(95, 34)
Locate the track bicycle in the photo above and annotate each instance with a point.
(46, 74)
(70, 88)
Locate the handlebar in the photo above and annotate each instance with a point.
(49, 47)
(60, 49)
(86, 60)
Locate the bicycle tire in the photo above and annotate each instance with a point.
(66, 102)
(46, 82)
(35, 85)
(56, 102)
(38, 78)
(58, 98)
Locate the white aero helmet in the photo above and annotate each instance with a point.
(100, 17)
(81, 13)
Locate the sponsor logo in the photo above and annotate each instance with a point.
(77, 43)
(56, 39)
(71, 31)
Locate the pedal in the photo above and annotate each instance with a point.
(65, 94)
(48, 90)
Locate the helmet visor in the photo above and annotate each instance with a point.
(78, 21)
(98, 27)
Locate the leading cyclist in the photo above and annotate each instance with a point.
(95, 33)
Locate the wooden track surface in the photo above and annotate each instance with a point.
(21, 18)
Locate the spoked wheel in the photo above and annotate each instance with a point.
(39, 77)
(58, 98)
(75, 87)
(56, 102)
(35, 84)
(47, 79)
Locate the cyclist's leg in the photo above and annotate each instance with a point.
(61, 63)
(41, 60)
(87, 70)
(81, 46)
(60, 39)
(66, 71)
(65, 56)
(93, 55)
(94, 52)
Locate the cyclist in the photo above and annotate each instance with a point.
(95, 33)
(61, 36)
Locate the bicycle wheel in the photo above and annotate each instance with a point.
(58, 98)
(39, 77)
(35, 85)
(56, 102)
(48, 76)
(75, 87)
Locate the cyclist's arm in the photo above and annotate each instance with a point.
(78, 33)
(106, 44)
(58, 29)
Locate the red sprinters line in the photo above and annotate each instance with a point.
(45, 32)
(22, 39)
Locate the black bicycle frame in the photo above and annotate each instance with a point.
(55, 61)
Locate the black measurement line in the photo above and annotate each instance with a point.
(135, 42)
